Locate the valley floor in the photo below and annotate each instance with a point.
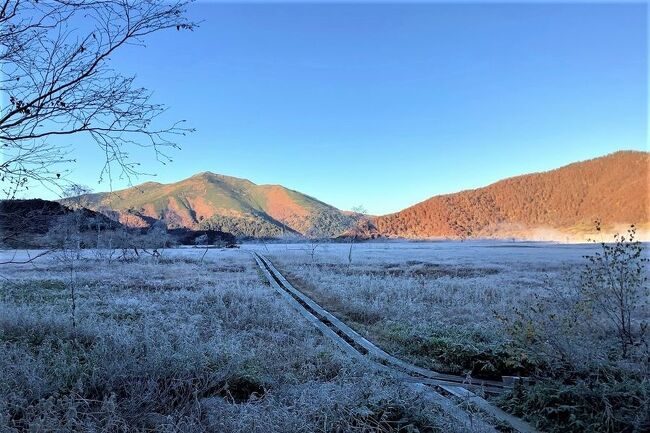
(188, 342)
(401, 293)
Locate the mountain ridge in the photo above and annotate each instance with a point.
(209, 200)
(557, 204)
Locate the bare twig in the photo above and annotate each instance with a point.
(59, 83)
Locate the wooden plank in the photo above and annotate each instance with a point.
(498, 413)
(325, 322)
(370, 347)
(310, 317)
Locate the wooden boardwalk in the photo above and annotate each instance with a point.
(431, 384)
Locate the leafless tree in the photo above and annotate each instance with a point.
(76, 196)
(22, 220)
(55, 61)
(67, 233)
(315, 237)
(156, 239)
(66, 240)
(283, 219)
(357, 227)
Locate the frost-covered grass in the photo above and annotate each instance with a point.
(434, 303)
(184, 344)
(178, 345)
(489, 309)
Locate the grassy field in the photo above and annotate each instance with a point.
(413, 297)
(490, 309)
(182, 343)
(177, 344)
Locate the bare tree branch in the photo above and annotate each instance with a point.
(55, 61)
(30, 259)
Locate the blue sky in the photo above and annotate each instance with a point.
(384, 105)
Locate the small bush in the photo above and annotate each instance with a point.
(585, 405)
(243, 388)
(614, 287)
(592, 338)
(459, 352)
(387, 419)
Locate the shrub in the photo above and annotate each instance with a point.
(607, 405)
(459, 352)
(591, 338)
(613, 287)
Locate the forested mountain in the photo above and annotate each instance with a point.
(218, 202)
(554, 205)
(558, 204)
(21, 221)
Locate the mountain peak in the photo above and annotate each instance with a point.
(209, 200)
(554, 205)
(211, 176)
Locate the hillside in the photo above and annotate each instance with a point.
(214, 201)
(558, 204)
(22, 221)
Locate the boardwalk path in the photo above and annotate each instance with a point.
(435, 387)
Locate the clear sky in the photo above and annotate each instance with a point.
(385, 105)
